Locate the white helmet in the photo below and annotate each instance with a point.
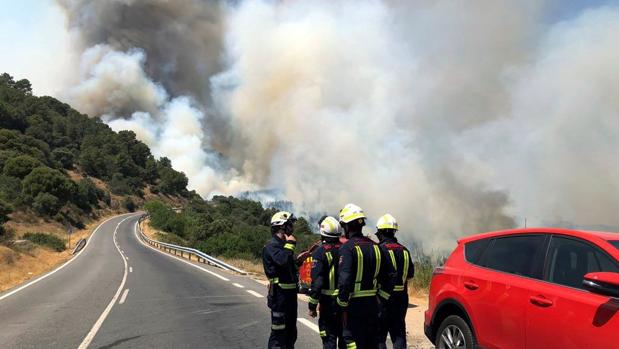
(281, 218)
(350, 212)
(387, 222)
(330, 227)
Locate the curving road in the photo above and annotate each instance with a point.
(120, 293)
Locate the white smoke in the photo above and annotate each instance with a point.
(556, 151)
(456, 117)
(115, 86)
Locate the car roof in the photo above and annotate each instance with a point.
(544, 230)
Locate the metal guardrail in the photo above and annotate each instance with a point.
(182, 251)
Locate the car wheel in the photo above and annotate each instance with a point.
(454, 333)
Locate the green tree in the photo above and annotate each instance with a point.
(172, 182)
(46, 204)
(93, 162)
(20, 166)
(47, 180)
(5, 210)
(87, 195)
(129, 205)
(64, 156)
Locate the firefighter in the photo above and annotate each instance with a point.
(324, 285)
(393, 310)
(362, 268)
(280, 268)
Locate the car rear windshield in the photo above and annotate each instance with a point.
(615, 243)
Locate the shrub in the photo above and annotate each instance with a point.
(46, 204)
(20, 166)
(46, 240)
(128, 204)
(47, 180)
(64, 157)
(119, 185)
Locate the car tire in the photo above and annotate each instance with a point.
(454, 333)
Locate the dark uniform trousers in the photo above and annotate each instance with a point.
(330, 324)
(283, 305)
(364, 272)
(392, 312)
(392, 316)
(280, 268)
(323, 291)
(361, 322)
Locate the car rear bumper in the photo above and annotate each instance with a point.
(428, 332)
(427, 325)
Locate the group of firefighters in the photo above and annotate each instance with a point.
(358, 289)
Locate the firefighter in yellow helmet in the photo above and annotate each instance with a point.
(363, 267)
(324, 285)
(281, 270)
(393, 310)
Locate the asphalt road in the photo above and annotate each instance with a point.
(120, 293)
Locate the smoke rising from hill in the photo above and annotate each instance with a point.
(456, 117)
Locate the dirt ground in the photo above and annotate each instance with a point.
(418, 304)
(22, 264)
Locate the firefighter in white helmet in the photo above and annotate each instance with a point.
(393, 310)
(362, 267)
(281, 270)
(324, 284)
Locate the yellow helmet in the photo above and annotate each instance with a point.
(387, 222)
(350, 212)
(281, 218)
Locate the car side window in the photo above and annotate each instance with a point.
(473, 250)
(569, 260)
(516, 254)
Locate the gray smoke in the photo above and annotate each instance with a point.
(456, 117)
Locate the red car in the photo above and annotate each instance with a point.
(527, 288)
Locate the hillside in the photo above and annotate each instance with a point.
(63, 171)
(59, 165)
(226, 227)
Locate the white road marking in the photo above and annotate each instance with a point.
(95, 328)
(124, 296)
(238, 285)
(254, 293)
(62, 266)
(131, 269)
(177, 258)
(309, 324)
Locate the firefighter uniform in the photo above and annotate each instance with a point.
(362, 268)
(324, 292)
(393, 310)
(280, 268)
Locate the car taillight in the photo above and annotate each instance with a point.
(438, 270)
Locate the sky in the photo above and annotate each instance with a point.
(33, 31)
(498, 67)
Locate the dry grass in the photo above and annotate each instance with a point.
(253, 268)
(149, 231)
(18, 267)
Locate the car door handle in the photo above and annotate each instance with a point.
(541, 301)
(471, 285)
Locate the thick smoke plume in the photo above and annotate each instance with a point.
(456, 117)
